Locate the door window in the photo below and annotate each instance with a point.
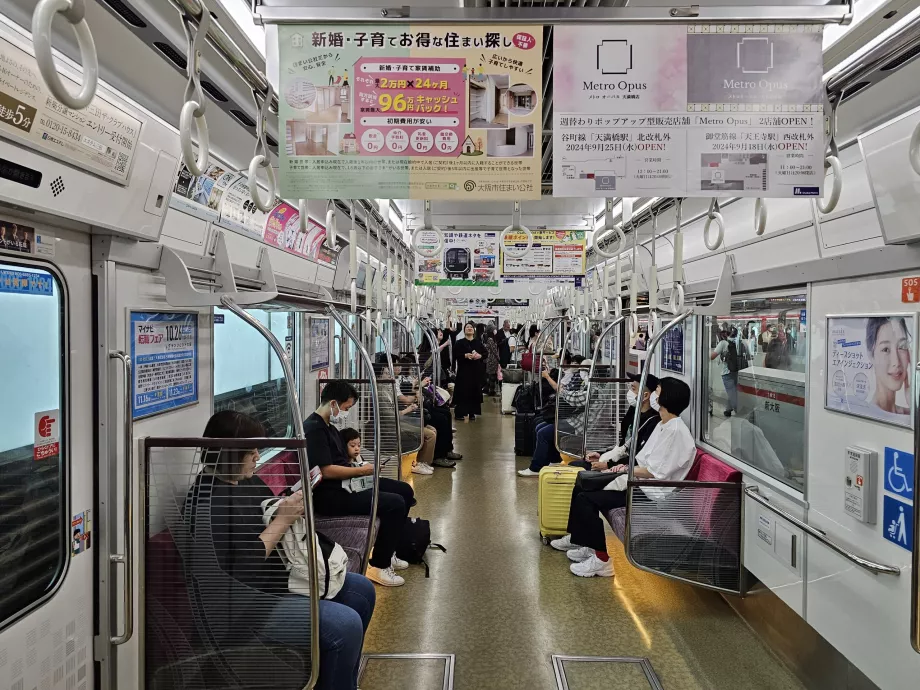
(35, 535)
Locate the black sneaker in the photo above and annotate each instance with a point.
(454, 456)
(443, 462)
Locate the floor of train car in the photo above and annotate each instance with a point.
(504, 603)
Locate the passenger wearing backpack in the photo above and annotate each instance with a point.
(735, 357)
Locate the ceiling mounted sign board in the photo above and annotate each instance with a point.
(466, 258)
(400, 111)
(688, 110)
(554, 255)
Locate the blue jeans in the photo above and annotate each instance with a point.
(545, 451)
(730, 381)
(343, 620)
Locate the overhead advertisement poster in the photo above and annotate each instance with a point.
(869, 367)
(400, 111)
(466, 258)
(101, 139)
(688, 110)
(553, 254)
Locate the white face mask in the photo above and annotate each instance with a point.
(631, 397)
(653, 401)
(336, 416)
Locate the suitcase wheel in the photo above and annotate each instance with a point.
(544, 539)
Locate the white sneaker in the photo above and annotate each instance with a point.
(592, 567)
(422, 468)
(384, 576)
(563, 543)
(528, 473)
(577, 554)
(398, 563)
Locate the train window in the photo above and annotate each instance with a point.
(755, 384)
(33, 497)
(248, 376)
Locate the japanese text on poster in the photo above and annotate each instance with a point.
(319, 343)
(164, 354)
(672, 350)
(411, 111)
(466, 258)
(869, 365)
(688, 110)
(552, 253)
(47, 444)
(100, 139)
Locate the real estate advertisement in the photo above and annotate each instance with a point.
(688, 110)
(411, 111)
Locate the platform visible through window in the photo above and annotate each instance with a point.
(34, 540)
(755, 384)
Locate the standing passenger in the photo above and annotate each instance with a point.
(492, 361)
(733, 352)
(469, 354)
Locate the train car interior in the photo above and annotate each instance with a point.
(460, 345)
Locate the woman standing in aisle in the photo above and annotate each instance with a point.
(492, 361)
(469, 355)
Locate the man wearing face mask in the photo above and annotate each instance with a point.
(649, 418)
(326, 450)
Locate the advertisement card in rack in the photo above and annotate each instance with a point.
(411, 111)
(164, 356)
(869, 366)
(466, 258)
(553, 253)
(688, 110)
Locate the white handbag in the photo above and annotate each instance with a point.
(331, 559)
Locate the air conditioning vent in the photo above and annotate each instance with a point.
(213, 91)
(243, 118)
(126, 13)
(57, 186)
(907, 56)
(855, 89)
(171, 54)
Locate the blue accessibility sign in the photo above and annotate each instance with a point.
(899, 473)
(898, 523)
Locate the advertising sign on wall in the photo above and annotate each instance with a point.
(466, 258)
(869, 367)
(411, 111)
(319, 343)
(100, 139)
(553, 253)
(164, 357)
(672, 350)
(202, 196)
(688, 110)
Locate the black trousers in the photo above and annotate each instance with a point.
(585, 523)
(442, 421)
(393, 504)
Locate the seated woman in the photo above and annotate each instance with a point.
(668, 455)
(412, 435)
(606, 458)
(248, 552)
(326, 450)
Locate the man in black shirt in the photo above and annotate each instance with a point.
(326, 450)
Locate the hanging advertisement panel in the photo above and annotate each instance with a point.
(869, 367)
(319, 343)
(553, 254)
(466, 258)
(688, 110)
(402, 111)
(101, 138)
(164, 354)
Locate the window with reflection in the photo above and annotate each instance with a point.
(248, 376)
(755, 384)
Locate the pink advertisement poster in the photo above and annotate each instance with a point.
(282, 230)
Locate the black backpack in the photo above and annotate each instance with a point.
(734, 360)
(523, 400)
(414, 541)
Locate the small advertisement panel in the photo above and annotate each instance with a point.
(553, 253)
(164, 358)
(693, 110)
(409, 111)
(466, 258)
(869, 367)
(319, 343)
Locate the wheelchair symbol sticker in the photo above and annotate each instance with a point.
(899, 473)
(898, 523)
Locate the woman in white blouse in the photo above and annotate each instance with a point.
(667, 455)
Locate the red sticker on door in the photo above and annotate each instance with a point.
(47, 435)
(910, 290)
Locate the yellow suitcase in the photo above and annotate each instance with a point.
(554, 497)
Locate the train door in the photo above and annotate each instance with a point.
(171, 356)
(47, 516)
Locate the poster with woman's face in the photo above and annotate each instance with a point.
(869, 367)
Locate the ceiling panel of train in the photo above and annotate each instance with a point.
(141, 48)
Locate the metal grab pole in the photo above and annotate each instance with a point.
(126, 558)
(594, 357)
(915, 557)
(375, 417)
(297, 415)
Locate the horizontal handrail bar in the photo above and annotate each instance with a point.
(192, 442)
(873, 567)
(667, 483)
(601, 379)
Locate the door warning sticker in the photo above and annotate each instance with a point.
(47, 435)
(81, 530)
